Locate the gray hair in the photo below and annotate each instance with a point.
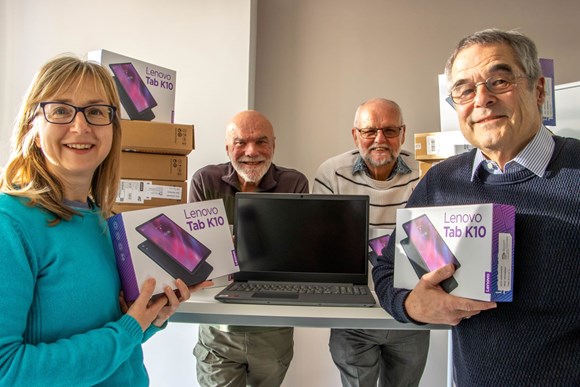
(524, 49)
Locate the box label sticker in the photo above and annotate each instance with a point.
(432, 145)
(504, 262)
(137, 192)
(134, 192)
(164, 192)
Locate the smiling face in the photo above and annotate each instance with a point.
(380, 153)
(250, 144)
(74, 151)
(499, 124)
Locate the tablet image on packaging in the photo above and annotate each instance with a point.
(429, 245)
(416, 261)
(201, 272)
(379, 243)
(134, 94)
(428, 242)
(180, 246)
(421, 268)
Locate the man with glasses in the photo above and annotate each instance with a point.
(498, 89)
(380, 169)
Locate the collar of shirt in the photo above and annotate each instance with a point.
(534, 157)
(401, 167)
(78, 204)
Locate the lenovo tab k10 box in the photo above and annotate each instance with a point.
(189, 241)
(478, 239)
(147, 91)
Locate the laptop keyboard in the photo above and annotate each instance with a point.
(299, 288)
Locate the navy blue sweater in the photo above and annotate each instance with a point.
(534, 340)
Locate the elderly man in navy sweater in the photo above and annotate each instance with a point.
(498, 91)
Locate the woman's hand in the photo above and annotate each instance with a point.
(148, 310)
(145, 309)
(175, 298)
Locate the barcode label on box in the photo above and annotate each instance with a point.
(504, 262)
(432, 145)
(138, 191)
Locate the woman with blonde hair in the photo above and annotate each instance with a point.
(63, 322)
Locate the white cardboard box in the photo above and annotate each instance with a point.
(189, 241)
(147, 91)
(478, 239)
(447, 113)
(440, 145)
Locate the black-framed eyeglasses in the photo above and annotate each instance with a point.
(388, 132)
(65, 113)
(465, 92)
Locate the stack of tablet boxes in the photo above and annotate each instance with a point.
(432, 148)
(155, 232)
(154, 157)
(153, 164)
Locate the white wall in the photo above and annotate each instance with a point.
(206, 41)
(6, 115)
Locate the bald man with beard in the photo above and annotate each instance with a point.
(239, 356)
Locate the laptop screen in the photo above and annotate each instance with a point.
(302, 237)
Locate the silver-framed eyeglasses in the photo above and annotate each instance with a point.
(65, 113)
(388, 132)
(498, 84)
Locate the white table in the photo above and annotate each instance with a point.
(202, 308)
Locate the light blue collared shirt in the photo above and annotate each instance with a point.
(535, 157)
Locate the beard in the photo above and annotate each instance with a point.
(383, 160)
(251, 173)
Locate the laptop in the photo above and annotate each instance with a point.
(300, 249)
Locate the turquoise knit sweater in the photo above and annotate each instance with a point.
(534, 340)
(60, 317)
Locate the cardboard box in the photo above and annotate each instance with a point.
(147, 91)
(152, 166)
(440, 145)
(118, 208)
(424, 166)
(189, 241)
(153, 193)
(478, 239)
(157, 137)
(447, 113)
